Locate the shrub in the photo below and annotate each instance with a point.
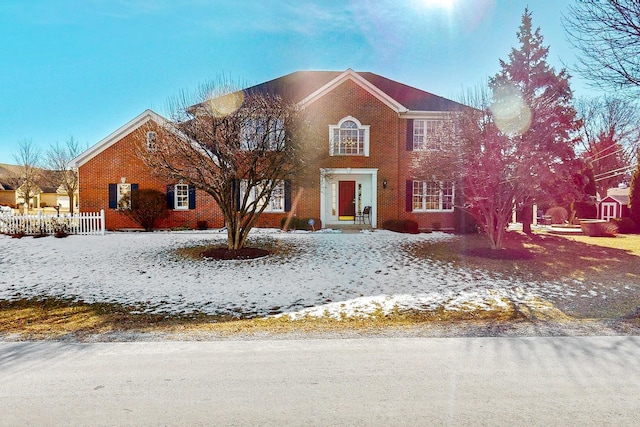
(401, 226)
(558, 214)
(598, 228)
(147, 206)
(295, 223)
(625, 225)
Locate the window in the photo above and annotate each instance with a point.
(182, 196)
(349, 138)
(432, 196)
(120, 195)
(265, 134)
(151, 141)
(427, 134)
(276, 202)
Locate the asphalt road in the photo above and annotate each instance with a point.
(378, 381)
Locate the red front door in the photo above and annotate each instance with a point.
(346, 200)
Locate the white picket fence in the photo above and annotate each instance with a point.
(86, 223)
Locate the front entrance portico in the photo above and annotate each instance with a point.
(344, 194)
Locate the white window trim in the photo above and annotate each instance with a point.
(176, 204)
(123, 190)
(276, 136)
(151, 140)
(426, 143)
(365, 128)
(269, 208)
(440, 197)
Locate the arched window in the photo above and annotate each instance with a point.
(349, 138)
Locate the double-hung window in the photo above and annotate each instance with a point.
(349, 138)
(124, 196)
(263, 134)
(120, 195)
(275, 203)
(427, 134)
(432, 196)
(181, 196)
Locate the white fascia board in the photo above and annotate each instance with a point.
(349, 74)
(117, 135)
(424, 114)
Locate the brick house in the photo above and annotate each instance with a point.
(370, 126)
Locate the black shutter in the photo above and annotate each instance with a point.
(192, 196)
(134, 188)
(171, 203)
(287, 195)
(409, 134)
(235, 193)
(409, 196)
(113, 196)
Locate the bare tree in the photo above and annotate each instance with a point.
(28, 159)
(59, 169)
(243, 148)
(610, 140)
(607, 35)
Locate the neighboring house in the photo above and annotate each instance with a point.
(615, 205)
(43, 195)
(370, 126)
(7, 194)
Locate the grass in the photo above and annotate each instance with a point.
(572, 259)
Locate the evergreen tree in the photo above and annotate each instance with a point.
(532, 105)
(515, 144)
(634, 196)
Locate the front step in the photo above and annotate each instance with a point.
(350, 227)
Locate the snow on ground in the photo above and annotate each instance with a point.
(324, 274)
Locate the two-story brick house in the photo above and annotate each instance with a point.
(371, 127)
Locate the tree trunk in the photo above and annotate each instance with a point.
(526, 216)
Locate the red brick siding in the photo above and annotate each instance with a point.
(387, 153)
(119, 161)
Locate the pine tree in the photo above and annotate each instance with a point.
(540, 120)
(514, 144)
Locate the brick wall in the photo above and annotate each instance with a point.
(120, 161)
(388, 154)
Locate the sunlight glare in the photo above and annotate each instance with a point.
(511, 112)
(439, 4)
(220, 106)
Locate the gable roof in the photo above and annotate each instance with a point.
(305, 87)
(118, 134)
(623, 200)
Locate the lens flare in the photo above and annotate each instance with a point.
(224, 105)
(510, 111)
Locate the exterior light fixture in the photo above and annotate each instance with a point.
(384, 183)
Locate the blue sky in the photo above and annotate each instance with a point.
(83, 68)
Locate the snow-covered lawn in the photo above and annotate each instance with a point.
(324, 274)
